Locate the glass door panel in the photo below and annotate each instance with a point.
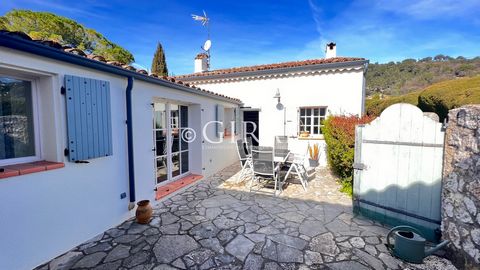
(171, 148)
(162, 169)
(184, 159)
(175, 164)
(160, 135)
(161, 142)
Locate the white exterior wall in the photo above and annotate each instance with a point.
(45, 214)
(341, 92)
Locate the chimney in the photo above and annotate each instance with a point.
(331, 50)
(201, 62)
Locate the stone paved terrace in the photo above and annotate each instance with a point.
(218, 224)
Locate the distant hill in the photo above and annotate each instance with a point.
(399, 78)
(439, 97)
(48, 26)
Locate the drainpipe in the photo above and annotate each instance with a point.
(131, 168)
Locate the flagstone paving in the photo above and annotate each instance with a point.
(218, 224)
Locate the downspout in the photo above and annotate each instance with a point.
(131, 163)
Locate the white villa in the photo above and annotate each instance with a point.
(68, 161)
(83, 139)
(290, 98)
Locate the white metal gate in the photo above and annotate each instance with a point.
(398, 169)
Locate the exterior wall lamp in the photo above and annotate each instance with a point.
(279, 104)
(277, 95)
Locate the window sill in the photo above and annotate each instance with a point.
(31, 167)
(318, 138)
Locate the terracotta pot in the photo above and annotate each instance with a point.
(144, 212)
(304, 134)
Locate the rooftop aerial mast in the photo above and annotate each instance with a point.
(205, 20)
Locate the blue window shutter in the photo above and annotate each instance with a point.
(219, 114)
(89, 123)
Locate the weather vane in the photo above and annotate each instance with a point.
(208, 43)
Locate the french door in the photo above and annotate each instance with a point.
(171, 149)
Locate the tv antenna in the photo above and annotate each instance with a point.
(205, 20)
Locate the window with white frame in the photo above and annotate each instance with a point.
(19, 139)
(311, 119)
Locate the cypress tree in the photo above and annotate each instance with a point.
(159, 64)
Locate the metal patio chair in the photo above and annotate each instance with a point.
(296, 163)
(245, 160)
(281, 147)
(264, 167)
(249, 144)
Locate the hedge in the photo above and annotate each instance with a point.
(339, 134)
(444, 96)
(438, 98)
(375, 105)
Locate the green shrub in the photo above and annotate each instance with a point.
(444, 96)
(375, 105)
(339, 134)
(438, 98)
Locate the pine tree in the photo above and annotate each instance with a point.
(159, 65)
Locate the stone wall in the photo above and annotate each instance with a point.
(461, 186)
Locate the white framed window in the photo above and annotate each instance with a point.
(19, 120)
(310, 119)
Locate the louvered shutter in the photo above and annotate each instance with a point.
(89, 123)
(219, 115)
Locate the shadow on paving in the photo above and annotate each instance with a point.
(212, 225)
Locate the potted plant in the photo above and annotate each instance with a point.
(303, 132)
(313, 153)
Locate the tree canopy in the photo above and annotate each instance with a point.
(48, 26)
(411, 75)
(159, 64)
(439, 97)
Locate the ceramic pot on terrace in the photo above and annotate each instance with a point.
(144, 212)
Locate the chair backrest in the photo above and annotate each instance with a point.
(249, 145)
(262, 159)
(241, 151)
(281, 146)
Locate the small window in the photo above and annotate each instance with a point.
(311, 119)
(19, 141)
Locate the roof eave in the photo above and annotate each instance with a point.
(45, 51)
(275, 71)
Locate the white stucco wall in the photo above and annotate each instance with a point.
(341, 91)
(45, 214)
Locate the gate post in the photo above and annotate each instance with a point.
(461, 186)
(357, 160)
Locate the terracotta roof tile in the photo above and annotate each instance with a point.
(271, 66)
(96, 57)
(50, 43)
(76, 51)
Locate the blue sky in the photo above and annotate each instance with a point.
(268, 31)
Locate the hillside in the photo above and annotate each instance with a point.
(439, 97)
(48, 26)
(398, 78)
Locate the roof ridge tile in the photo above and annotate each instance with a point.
(280, 65)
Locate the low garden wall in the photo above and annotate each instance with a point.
(461, 186)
